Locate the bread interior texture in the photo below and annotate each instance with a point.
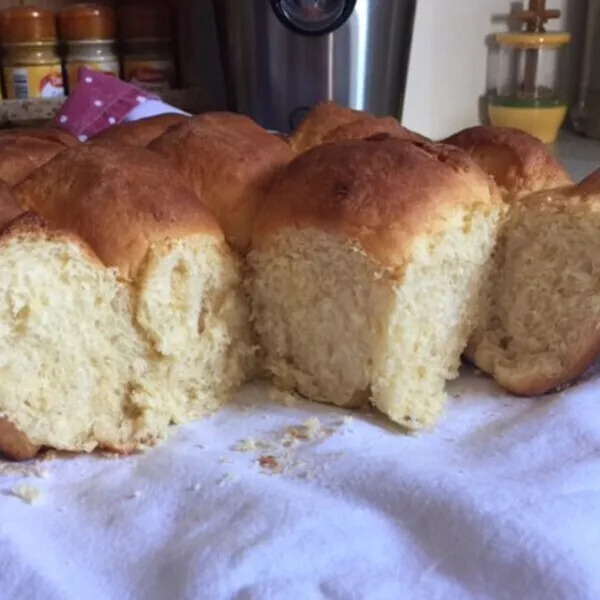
(340, 328)
(108, 364)
(539, 327)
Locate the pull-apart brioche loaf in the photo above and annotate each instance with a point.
(330, 122)
(540, 323)
(366, 264)
(519, 162)
(131, 320)
(141, 132)
(230, 162)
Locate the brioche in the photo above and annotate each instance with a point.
(366, 264)
(139, 133)
(329, 122)
(120, 315)
(52, 134)
(24, 150)
(519, 162)
(230, 162)
(540, 321)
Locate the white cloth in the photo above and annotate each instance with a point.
(502, 501)
(151, 108)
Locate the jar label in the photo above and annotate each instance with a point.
(40, 81)
(152, 75)
(108, 67)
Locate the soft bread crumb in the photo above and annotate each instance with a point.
(27, 493)
(127, 359)
(23, 470)
(539, 326)
(338, 334)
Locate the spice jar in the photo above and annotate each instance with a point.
(32, 66)
(147, 52)
(89, 31)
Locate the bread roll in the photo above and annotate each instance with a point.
(366, 264)
(141, 132)
(329, 122)
(540, 324)
(10, 208)
(23, 150)
(519, 162)
(230, 162)
(52, 134)
(121, 316)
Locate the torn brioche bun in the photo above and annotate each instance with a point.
(330, 122)
(540, 318)
(141, 132)
(519, 162)
(24, 150)
(122, 309)
(230, 162)
(366, 266)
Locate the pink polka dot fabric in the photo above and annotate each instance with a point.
(97, 102)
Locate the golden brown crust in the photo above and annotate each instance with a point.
(51, 134)
(518, 161)
(380, 193)
(119, 199)
(323, 118)
(14, 444)
(21, 155)
(230, 162)
(139, 133)
(576, 366)
(371, 126)
(330, 122)
(9, 206)
(590, 185)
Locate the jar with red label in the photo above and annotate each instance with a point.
(32, 66)
(90, 33)
(147, 52)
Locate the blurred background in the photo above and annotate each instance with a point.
(432, 63)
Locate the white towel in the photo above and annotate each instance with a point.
(502, 500)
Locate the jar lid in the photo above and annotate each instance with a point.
(22, 24)
(144, 21)
(88, 21)
(545, 39)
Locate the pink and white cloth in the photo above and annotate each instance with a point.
(100, 101)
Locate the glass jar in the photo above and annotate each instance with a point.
(148, 63)
(530, 92)
(32, 66)
(147, 53)
(89, 31)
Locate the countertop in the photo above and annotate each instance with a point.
(580, 155)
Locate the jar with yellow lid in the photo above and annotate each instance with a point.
(32, 65)
(530, 91)
(145, 30)
(90, 34)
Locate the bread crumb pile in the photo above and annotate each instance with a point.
(26, 491)
(277, 454)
